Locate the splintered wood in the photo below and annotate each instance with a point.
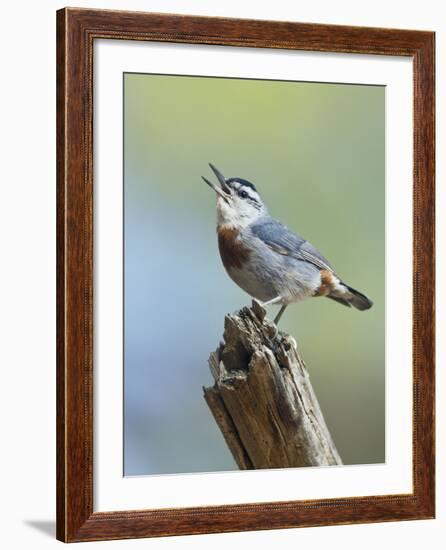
(262, 399)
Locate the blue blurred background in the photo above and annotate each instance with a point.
(316, 153)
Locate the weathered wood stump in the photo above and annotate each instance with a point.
(262, 399)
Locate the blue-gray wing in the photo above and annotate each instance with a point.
(283, 241)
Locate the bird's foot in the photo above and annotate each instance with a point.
(271, 302)
(274, 333)
(279, 315)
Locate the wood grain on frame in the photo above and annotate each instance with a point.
(76, 31)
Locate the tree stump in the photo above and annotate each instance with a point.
(262, 399)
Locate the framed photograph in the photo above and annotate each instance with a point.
(245, 275)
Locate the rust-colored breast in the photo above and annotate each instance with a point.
(232, 251)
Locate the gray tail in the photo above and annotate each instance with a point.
(358, 300)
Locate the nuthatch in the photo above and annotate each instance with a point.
(266, 259)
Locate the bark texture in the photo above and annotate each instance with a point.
(262, 399)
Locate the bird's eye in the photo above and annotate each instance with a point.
(243, 194)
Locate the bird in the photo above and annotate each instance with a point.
(268, 261)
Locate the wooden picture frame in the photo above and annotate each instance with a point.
(76, 31)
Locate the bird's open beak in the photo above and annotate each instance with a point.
(225, 190)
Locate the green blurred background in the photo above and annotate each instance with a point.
(316, 153)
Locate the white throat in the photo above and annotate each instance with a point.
(229, 217)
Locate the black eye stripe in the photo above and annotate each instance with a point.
(242, 188)
(245, 195)
(252, 201)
